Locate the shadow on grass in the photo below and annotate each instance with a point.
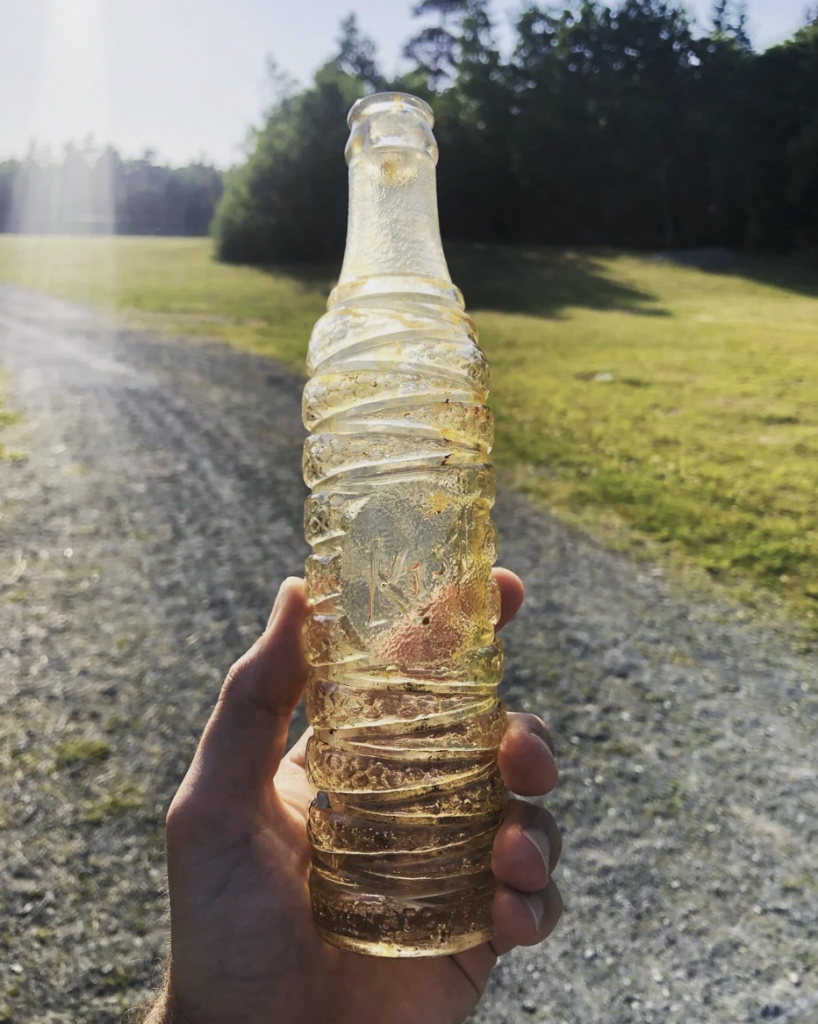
(532, 280)
(796, 274)
(311, 277)
(541, 281)
(788, 273)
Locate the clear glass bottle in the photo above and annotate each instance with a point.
(405, 663)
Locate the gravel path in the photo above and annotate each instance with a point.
(141, 542)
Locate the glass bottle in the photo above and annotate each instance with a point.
(405, 663)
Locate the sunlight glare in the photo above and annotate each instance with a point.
(71, 191)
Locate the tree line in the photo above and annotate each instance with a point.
(613, 125)
(86, 190)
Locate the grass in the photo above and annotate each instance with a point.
(172, 284)
(5, 418)
(81, 751)
(669, 403)
(121, 798)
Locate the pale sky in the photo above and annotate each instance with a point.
(186, 77)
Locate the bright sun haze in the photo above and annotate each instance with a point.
(186, 78)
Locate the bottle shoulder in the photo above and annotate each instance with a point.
(387, 328)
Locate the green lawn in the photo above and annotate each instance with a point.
(678, 404)
(5, 417)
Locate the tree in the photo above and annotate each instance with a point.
(730, 23)
(287, 203)
(89, 190)
(783, 149)
(357, 55)
(458, 58)
(461, 34)
(608, 124)
(601, 139)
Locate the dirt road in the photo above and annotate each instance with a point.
(141, 542)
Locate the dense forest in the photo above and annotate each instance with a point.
(613, 125)
(95, 191)
(618, 125)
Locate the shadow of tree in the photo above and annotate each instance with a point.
(787, 273)
(541, 281)
(310, 277)
(533, 280)
(797, 274)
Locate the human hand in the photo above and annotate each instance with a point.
(243, 946)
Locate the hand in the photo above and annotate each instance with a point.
(243, 946)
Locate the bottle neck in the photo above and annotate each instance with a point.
(393, 236)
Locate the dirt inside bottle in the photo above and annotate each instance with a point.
(405, 664)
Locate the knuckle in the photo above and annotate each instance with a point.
(239, 675)
(179, 816)
(187, 818)
(237, 671)
(176, 821)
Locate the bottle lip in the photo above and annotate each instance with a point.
(392, 101)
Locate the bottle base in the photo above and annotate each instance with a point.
(456, 944)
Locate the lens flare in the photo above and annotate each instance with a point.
(68, 187)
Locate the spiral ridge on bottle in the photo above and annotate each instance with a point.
(404, 661)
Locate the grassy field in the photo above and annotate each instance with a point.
(663, 404)
(5, 417)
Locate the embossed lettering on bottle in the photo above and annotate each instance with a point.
(405, 664)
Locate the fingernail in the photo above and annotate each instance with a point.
(548, 746)
(539, 840)
(536, 904)
(276, 605)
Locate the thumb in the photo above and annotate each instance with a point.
(245, 738)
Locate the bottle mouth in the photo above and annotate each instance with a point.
(391, 121)
(390, 103)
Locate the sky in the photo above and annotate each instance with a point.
(186, 78)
